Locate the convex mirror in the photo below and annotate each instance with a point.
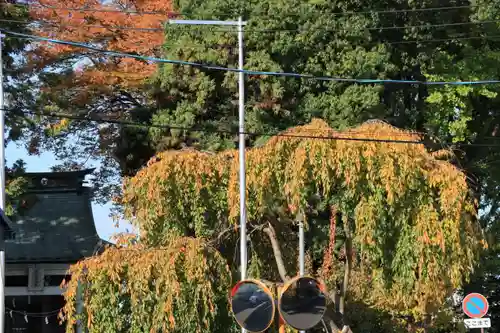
(302, 303)
(252, 305)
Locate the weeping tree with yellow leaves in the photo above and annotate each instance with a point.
(388, 224)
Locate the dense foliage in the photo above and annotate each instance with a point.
(415, 232)
(13, 85)
(181, 287)
(358, 39)
(295, 36)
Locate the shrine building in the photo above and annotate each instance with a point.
(54, 229)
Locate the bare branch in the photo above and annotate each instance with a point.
(269, 230)
(221, 236)
(330, 318)
(346, 329)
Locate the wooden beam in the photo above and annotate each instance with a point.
(49, 269)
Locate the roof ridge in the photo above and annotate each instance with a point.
(61, 173)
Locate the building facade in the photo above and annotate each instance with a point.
(54, 228)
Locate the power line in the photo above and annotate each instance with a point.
(452, 38)
(171, 127)
(56, 24)
(194, 129)
(97, 10)
(269, 134)
(91, 118)
(452, 24)
(249, 72)
(83, 9)
(410, 10)
(414, 41)
(421, 26)
(346, 13)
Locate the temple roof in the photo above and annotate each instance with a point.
(6, 225)
(58, 224)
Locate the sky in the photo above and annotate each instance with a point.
(104, 224)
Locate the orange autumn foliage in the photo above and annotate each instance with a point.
(416, 230)
(134, 288)
(105, 26)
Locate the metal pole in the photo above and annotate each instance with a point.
(302, 254)
(2, 193)
(241, 112)
(241, 115)
(301, 249)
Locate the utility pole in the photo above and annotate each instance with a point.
(2, 192)
(302, 255)
(241, 126)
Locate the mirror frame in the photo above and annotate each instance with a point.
(288, 284)
(268, 293)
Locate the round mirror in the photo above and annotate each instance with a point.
(302, 304)
(252, 305)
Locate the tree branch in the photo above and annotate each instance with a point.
(331, 317)
(269, 230)
(346, 329)
(220, 236)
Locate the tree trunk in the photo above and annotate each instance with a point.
(269, 230)
(347, 267)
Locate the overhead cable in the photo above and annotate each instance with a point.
(154, 30)
(99, 10)
(159, 12)
(264, 30)
(248, 72)
(339, 137)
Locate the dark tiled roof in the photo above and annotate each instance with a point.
(6, 225)
(58, 227)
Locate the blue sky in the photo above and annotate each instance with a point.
(104, 224)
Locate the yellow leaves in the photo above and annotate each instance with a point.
(283, 169)
(59, 126)
(166, 287)
(400, 196)
(446, 154)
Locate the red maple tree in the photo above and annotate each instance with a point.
(130, 26)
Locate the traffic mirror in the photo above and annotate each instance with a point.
(252, 305)
(302, 303)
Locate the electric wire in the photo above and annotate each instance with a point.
(154, 30)
(97, 10)
(421, 26)
(211, 29)
(248, 72)
(195, 129)
(429, 9)
(176, 127)
(436, 40)
(159, 12)
(339, 137)
(62, 25)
